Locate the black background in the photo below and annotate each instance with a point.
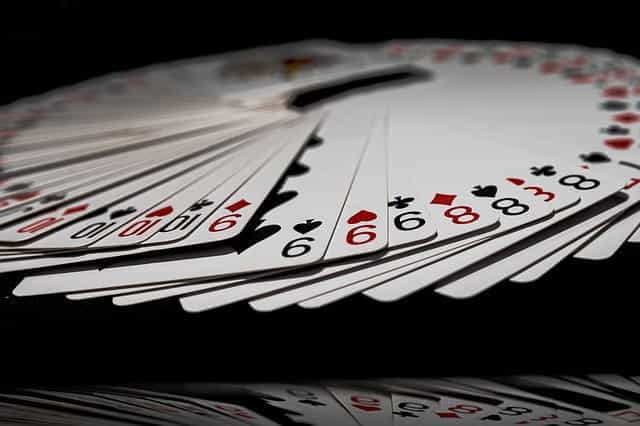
(581, 317)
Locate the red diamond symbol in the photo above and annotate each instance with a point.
(549, 67)
(516, 181)
(627, 117)
(75, 209)
(445, 199)
(616, 92)
(237, 205)
(448, 415)
(582, 79)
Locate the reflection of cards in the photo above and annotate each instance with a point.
(603, 399)
(306, 173)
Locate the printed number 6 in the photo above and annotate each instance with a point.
(295, 250)
(368, 235)
(225, 223)
(403, 224)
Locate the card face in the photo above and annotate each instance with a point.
(538, 269)
(504, 268)
(410, 410)
(606, 244)
(142, 213)
(362, 227)
(307, 404)
(602, 407)
(49, 221)
(227, 222)
(442, 164)
(296, 238)
(161, 215)
(395, 289)
(367, 407)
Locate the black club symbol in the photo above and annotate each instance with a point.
(543, 171)
(400, 203)
(200, 204)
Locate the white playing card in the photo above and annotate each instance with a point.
(107, 194)
(311, 404)
(478, 281)
(410, 410)
(325, 282)
(151, 205)
(606, 406)
(116, 292)
(137, 231)
(362, 226)
(537, 270)
(606, 244)
(288, 249)
(228, 222)
(368, 407)
(421, 278)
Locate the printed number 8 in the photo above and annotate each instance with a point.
(579, 182)
(466, 212)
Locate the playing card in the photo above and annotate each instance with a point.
(439, 163)
(311, 404)
(368, 407)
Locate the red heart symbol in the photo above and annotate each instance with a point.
(75, 209)
(616, 92)
(516, 181)
(627, 117)
(160, 212)
(619, 143)
(366, 407)
(362, 216)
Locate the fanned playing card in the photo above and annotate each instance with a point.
(305, 173)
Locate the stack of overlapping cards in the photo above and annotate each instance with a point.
(307, 173)
(605, 399)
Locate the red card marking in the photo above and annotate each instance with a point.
(619, 143)
(237, 205)
(627, 117)
(362, 216)
(446, 199)
(160, 212)
(75, 209)
(616, 92)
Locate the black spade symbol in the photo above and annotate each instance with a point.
(307, 226)
(122, 212)
(595, 157)
(494, 417)
(615, 129)
(485, 191)
(614, 105)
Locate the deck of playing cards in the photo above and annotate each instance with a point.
(602, 399)
(306, 173)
